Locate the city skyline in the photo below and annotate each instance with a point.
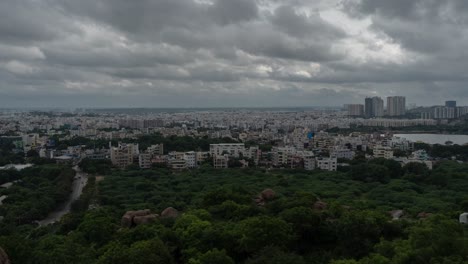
(192, 53)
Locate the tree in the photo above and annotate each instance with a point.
(194, 234)
(214, 256)
(97, 228)
(370, 173)
(258, 232)
(358, 231)
(272, 255)
(149, 252)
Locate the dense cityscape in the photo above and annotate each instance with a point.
(233, 131)
(93, 147)
(288, 139)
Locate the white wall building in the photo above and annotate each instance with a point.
(343, 153)
(383, 152)
(191, 159)
(231, 149)
(327, 164)
(144, 160)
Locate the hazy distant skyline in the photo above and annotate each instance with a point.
(216, 53)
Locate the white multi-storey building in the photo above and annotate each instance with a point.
(144, 160)
(220, 161)
(396, 106)
(122, 156)
(327, 164)
(280, 155)
(383, 152)
(231, 149)
(343, 153)
(309, 161)
(156, 149)
(191, 159)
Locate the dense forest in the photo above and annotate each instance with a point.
(36, 192)
(246, 216)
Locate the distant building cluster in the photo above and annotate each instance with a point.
(448, 111)
(289, 139)
(396, 108)
(373, 107)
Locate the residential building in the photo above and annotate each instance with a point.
(220, 161)
(253, 153)
(144, 160)
(443, 112)
(178, 164)
(355, 110)
(452, 104)
(343, 153)
(280, 155)
(396, 105)
(383, 152)
(327, 164)
(156, 149)
(122, 156)
(191, 159)
(374, 107)
(309, 161)
(232, 149)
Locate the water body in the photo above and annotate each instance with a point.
(435, 138)
(16, 166)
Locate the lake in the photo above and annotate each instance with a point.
(16, 166)
(435, 138)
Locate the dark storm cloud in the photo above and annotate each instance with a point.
(265, 52)
(286, 19)
(426, 26)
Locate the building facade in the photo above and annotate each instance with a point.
(374, 107)
(396, 106)
(355, 110)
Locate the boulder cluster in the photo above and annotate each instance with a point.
(140, 217)
(265, 196)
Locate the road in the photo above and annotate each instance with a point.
(78, 184)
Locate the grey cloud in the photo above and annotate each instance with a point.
(228, 52)
(28, 21)
(286, 19)
(426, 26)
(233, 11)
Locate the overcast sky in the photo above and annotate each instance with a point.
(215, 53)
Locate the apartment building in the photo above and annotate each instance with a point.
(309, 162)
(280, 155)
(343, 153)
(231, 149)
(122, 156)
(144, 160)
(383, 152)
(191, 159)
(220, 161)
(156, 149)
(327, 164)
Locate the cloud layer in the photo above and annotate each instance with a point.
(212, 53)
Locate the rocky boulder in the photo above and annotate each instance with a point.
(424, 215)
(170, 212)
(259, 201)
(128, 217)
(4, 257)
(141, 220)
(268, 194)
(127, 221)
(319, 205)
(396, 214)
